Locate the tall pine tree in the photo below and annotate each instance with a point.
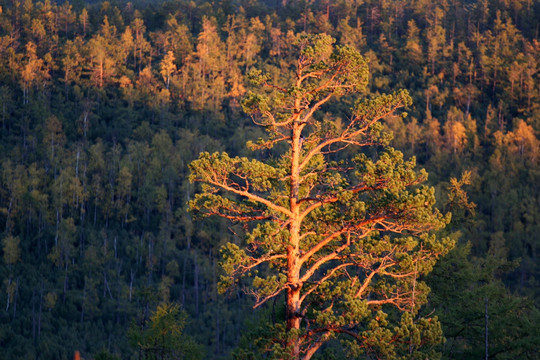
(337, 221)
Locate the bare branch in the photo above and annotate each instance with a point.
(316, 107)
(312, 349)
(323, 279)
(260, 301)
(345, 136)
(266, 84)
(368, 279)
(252, 197)
(309, 273)
(262, 260)
(269, 143)
(320, 245)
(313, 74)
(323, 201)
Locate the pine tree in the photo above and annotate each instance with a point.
(344, 241)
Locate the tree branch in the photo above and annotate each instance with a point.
(347, 136)
(252, 197)
(323, 279)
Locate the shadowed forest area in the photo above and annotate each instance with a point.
(103, 105)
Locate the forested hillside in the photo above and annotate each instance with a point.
(104, 104)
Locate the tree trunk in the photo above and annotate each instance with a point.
(196, 284)
(66, 280)
(40, 308)
(33, 315)
(83, 302)
(486, 330)
(293, 271)
(8, 294)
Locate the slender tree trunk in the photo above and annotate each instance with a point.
(217, 308)
(8, 294)
(184, 270)
(65, 280)
(132, 274)
(33, 315)
(184, 281)
(196, 284)
(83, 302)
(101, 73)
(15, 298)
(40, 308)
(487, 327)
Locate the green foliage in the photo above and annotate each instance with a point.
(105, 355)
(163, 337)
(11, 249)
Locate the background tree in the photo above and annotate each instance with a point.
(345, 241)
(475, 291)
(161, 337)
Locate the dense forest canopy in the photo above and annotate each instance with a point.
(104, 104)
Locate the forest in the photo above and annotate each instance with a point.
(105, 104)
